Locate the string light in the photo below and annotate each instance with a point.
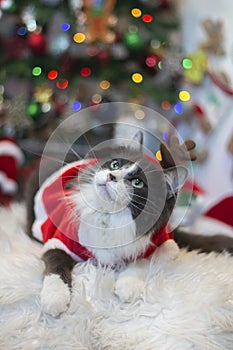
(151, 61)
(178, 108)
(52, 74)
(137, 78)
(85, 72)
(62, 84)
(147, 18)
(79, 38)
(36, 71)
(166, 105)
(158, 155)
(105, 84)
(76, 106)
(187, 63)
(96, 98)
(184, 96)
(140, 114)
(136, 12)
(65, 26)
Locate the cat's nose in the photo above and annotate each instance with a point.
(111, 177)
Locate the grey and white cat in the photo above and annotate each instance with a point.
(119, 204)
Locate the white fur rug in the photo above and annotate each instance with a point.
(187, 303)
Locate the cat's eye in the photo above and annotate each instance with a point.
(137, 183)
(115, 165)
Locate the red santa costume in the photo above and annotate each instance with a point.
(54, 223)
(11, 158)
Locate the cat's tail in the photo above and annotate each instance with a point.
(217, 243)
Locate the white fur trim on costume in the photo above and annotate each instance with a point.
(40, 213)
(55, 243)
(8, 148)
(7, 185)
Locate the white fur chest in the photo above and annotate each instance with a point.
(111, 237)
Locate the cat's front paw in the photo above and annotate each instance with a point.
(169, 250)
(129, 289)
(55, 295)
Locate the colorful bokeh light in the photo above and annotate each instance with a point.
(187, 63)
(137, 78)
(184, 96)
(166, 105)
(36, 71)
(158, 155)
(136, 12)
(52, 74)
(105, 84)
(62, 84)
(151, 61)
(178, 108)
(147, 18)
(65, 26)
(85, 72)
(79, 38)
(76, 106)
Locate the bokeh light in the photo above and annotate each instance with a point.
(85, 72)
(158, 155)
(178, 108)
(151, 61)
(166, 105)
(187, 63)
(36, 71)
(136, 12)
(52, 74)
(184, 96)
(137, 78)
(140, 114)
(79, 38)
(62, 84)
(76, 105)
(105, 84)
(65, 26)
(147, 18)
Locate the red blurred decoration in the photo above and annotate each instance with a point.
(166, 105)
(52, 74)
(37, 42)
(198, 111)
(62, 84)
(151, 60)
(147, 18)
(85, 72)
(104, 56)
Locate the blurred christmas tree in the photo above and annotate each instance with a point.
(60, 56)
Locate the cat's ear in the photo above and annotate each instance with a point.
(175, 178)
(138, 138)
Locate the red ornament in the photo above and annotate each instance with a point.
(37, 42)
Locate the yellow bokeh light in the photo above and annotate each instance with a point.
(139, 114)
(158, 155)
(136, 12)
(137, 78)
(96, 98)
(104, 84)
(184, 96)
(79, 38)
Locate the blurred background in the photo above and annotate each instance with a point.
(58, 57)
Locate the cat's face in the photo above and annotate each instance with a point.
(124, 179)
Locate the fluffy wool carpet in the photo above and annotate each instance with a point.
(187, 303)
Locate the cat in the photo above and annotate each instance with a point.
(112, 208)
